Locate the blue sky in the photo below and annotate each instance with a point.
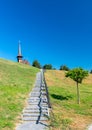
(51, 31)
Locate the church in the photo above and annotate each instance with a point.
(20, 57)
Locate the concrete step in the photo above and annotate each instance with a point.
(32, 107)
(34, 119)
(34, 103)
(43, 85)
(31, 114)
(30, 122)
(35, 94)
(36, 91)
(43, 93)
(34, 114)
(34, 100)
(36, 88)
(43, 105)
(44, 102)
(32, 95)
(31, 111)
(43, 98)
(36, 108)
(30, 119)
(42, 89)
(37, 84)
(35, 111)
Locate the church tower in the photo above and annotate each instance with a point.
(19, 57)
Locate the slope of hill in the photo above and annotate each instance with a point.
(16, 81)
(66, 113)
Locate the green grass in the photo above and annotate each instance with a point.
(66, 113)
(16, 81)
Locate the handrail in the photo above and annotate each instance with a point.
(47, 93)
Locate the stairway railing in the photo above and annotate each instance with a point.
(47, 92)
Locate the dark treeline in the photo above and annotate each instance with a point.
(48, 66)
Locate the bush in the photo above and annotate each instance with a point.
(47, 66)
(36, 64)
(64, 67)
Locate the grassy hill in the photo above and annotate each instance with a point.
(66, 113)
(16, 81)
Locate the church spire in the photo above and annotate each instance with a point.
(19, 57)
(19, 50)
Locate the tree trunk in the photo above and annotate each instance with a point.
(78, 94)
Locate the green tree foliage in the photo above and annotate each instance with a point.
(77, 74)
(47, 66)
(36, 64)
(91, 72)
(64, 67)
(53, 68)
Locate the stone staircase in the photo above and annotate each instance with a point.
(35, 114)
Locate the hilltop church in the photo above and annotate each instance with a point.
(20, 57)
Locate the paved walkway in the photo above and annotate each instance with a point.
(90, 127)
(34, 116)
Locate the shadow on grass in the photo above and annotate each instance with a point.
(86, 92)
(61, 97)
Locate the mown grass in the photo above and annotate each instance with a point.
(66, 113)
(16, 81)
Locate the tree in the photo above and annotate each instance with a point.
(54, 68)
(36, 64)
(77, 74)
(64, 67)
(47, 66)
(91, 72)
